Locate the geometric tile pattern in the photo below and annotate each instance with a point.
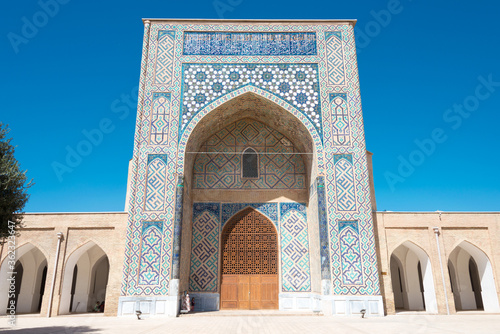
(149, 272)
(370, 281)
(295, 271)
(296, 84)
(165, 57)
(221, 166)
(344, 182)
(249, 44)
(270, 210)
(205, 247)
(357, 149)
(335, 58)
(323, 229)
(352, 269)
(155, 187)
(160, 119)
(339, 114)
(138, 187)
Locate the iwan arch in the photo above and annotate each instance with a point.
(250, 187)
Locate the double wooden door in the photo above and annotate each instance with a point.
(249, 263)
(249, 292)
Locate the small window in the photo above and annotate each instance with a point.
(250, 163)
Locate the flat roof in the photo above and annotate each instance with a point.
(212, 21)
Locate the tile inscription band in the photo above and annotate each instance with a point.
(249, 43)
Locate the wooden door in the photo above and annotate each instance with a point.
(249, 263)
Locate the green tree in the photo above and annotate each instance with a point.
(13, 186)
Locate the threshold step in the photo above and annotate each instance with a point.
(251, 313)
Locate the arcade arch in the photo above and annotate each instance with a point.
(30, 278)
(412, 280)
(472, 280)
(85, 279)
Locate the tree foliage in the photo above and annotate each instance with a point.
(13, 186)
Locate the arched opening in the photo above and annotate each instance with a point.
(215, 147)
(249, 256)
(472, 280)
(85, 279)
(27, 281)
(250, 164)
(412, 281)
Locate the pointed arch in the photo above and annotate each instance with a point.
(465, 290)
(239, 209)
(293, 113)
(249, 262)
(81, 298)
(31, 291)
(415, 277)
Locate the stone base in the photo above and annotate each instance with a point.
(168, 306)
(299, 301)
(352, 305)
(154, 306)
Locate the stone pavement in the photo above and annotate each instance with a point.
(257, 323)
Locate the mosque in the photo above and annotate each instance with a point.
(250, 187)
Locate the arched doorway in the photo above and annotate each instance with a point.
(29, 278)
(221, 172)
(412, 281)
(85, 279)
(472, 281)
(249, 256)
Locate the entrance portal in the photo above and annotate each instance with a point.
(249, 263)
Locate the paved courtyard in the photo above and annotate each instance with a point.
(257, 323)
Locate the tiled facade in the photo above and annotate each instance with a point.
(307, 70)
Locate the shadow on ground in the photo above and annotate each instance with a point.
(51, 330)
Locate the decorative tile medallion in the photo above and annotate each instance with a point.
(149, 272)
(340, 129)
(160, 122)
(352, 269)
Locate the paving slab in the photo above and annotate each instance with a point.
(255, 323)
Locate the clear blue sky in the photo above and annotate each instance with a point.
(414, 66)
